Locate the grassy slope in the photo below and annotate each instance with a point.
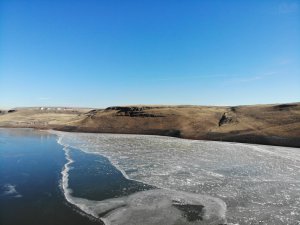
(39, 119)
(265, 124)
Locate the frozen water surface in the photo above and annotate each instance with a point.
(259, 184)
(156, 207)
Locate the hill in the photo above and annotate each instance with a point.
(262, 124)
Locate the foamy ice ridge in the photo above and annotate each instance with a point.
(259, 184)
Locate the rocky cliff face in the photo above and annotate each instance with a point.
(227, 118)
(132, 111)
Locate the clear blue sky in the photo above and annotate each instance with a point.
(100, 53)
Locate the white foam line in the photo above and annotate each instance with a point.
(60, 136)
(77, 201)
(114, 164)
(65, 177)
(65, 182)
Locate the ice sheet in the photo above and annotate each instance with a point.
(151, 207)
(260, 184)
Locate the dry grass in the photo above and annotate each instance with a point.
(39, 119)
(265, 124)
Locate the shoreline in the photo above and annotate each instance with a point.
(241, 138)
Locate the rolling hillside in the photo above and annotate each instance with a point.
(263, 124)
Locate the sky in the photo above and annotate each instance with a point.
(99, 53)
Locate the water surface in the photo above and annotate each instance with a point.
(30, 174)
(139, 179)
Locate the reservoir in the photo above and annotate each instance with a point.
(81, 178)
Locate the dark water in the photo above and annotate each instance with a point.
(30, 173)
(93, 177)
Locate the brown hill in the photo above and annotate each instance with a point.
(263, 124)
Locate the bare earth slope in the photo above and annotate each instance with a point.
(263, 124)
